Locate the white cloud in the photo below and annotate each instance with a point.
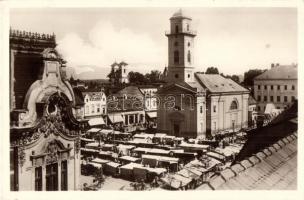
(106, 44)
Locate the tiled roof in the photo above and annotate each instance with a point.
(251, 100)
(280, 72)
(265, 136)
(216, 83)
(274, 171)
(129, 91)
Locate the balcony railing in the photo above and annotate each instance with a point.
(190, 32)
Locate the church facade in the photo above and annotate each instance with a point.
(194, 104)
(46, 117)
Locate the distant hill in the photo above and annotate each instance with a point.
(99, 73)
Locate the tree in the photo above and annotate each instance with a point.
(114, 76)
(235, 78)
(250, 75)
(137, 78)
(212, 70)
(153, 76)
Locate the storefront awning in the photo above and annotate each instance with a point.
(115, 118)
(152, 115)
(96, 121)
(94, 130)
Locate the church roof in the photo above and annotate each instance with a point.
(182, 85)
(280, 72)
(216, 83)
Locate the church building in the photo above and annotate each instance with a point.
(194, 104)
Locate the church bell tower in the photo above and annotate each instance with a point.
(180, 49)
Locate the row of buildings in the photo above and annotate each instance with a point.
(48, 115)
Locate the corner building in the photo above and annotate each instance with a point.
(46, 117)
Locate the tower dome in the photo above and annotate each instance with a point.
(180, 14)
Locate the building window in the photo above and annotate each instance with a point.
(293, 98)
(293, 87)
(131, 119)
(187, 27)
(103, 110)
(87, 110)
(87, 100)
(188, 44)
(233, 105)
(271, 98)
(265, 98)
(38, 179)
(259, 98)
(278, 98)
(176, 29)
(126, 120)
(176, 44)
(201, 109)
(271, 87)
(285, 87)
(285, 99)
(279, 87)
(124, 70)
(176, 57)
(52, 177)
(176, 75)
(188, 75)
(214, 108)
(64, 175)
(189, 57)
(259, 87)
(258, 108)
(93, 108)
(214, 126)
(98, 108)
(265, 87)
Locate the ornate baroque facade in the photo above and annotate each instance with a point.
(45, 129)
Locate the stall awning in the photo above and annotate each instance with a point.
(96, 121)
(152, 114)
(115, 118)
(94, 130)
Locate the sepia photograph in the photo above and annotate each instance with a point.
(153, 98)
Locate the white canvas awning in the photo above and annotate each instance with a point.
(96, 121)
(94, 130)
(115, 118)
(152, 114)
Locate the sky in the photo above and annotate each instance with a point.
(232, 39)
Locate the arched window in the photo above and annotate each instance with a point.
(176, 75)
(189, 57)
(233, 105)
(176, 29)
(176, 57)
(176, 44)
